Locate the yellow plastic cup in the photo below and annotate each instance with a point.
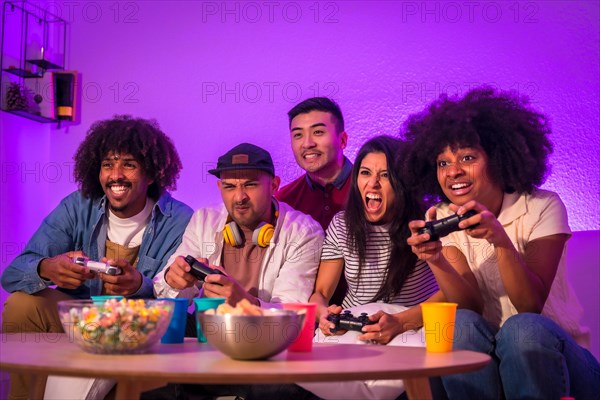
(438, 323)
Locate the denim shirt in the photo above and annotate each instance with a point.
(80, 223)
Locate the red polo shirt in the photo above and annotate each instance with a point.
(321, 203)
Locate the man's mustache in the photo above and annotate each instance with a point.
(118, 182)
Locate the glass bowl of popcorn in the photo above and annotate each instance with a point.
(115, 326)
(247, 332)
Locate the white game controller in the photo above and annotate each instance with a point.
(97, 266)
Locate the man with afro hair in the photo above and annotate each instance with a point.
(122, 214)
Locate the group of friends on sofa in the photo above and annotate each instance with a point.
(343, 235)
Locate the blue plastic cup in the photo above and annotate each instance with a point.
(202, 304)
(102, 299)
(176, 330)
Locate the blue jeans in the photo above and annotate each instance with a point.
(532, 358)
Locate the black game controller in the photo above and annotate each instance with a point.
(349, 322)
(97, 266)
(199, 269)
(445, 226)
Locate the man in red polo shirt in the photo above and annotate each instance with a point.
(318, 141)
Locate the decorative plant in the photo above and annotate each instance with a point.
(16, 97)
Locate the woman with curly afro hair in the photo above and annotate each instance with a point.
(487, 152)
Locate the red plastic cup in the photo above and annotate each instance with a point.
(303, 342)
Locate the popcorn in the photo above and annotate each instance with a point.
(117, 326)
(243, 307)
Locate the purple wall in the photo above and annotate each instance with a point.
(217, 73)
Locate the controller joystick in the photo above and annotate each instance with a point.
(349, 322)
(97, 266)
(199, 269)
(445, 226)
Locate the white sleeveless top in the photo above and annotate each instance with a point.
(525, 217)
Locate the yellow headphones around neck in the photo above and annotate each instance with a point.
(261, 236)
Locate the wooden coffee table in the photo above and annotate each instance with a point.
(40, 355)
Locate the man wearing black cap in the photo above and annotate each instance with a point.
(269, 251)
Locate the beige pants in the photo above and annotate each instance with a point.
(30, 313)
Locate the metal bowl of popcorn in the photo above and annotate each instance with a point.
(251, 337)
(115, 326)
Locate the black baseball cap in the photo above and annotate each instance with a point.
(244, 156)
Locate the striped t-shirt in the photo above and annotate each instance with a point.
(417, 288)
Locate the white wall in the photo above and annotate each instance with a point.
(217, 73)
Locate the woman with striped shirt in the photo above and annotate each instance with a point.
(367, 242)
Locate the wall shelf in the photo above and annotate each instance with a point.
(23, 73)
(33, 43)
(31, 116)
(44, 64)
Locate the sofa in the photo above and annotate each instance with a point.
(583, 271)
